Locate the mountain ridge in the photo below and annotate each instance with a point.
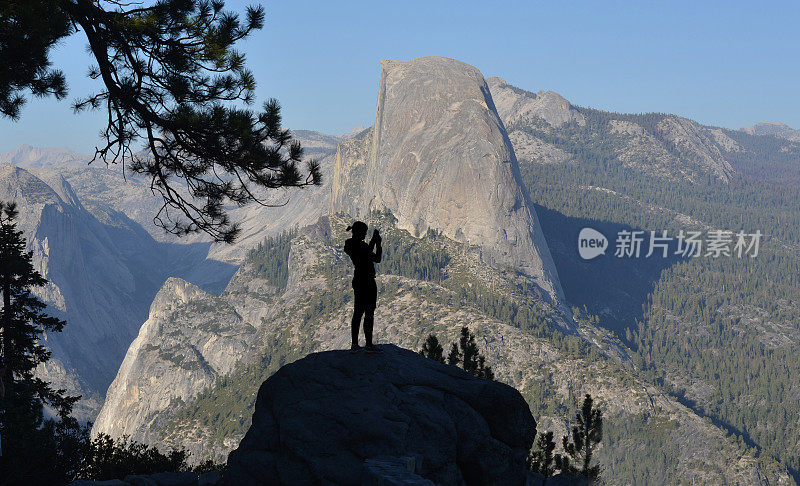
(773, 129)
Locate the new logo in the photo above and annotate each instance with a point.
(591, 243)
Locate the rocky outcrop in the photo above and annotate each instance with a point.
(515, 105)
(318, 419)
(392, 471)
(695, 143)
(773, 129)
(173, 358)
(439, 158)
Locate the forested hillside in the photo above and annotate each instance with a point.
(720, 333)
(432, 285)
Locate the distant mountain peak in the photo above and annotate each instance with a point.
(19, 185)
(353, 133)
(514, 104)
(667, 143)
(773, 129)
(767, 125)
(31, 157)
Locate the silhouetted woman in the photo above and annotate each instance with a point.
(364, 289)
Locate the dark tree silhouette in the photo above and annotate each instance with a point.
(107, 459)
(432, 349)
(482, 370)
(170, 75)
(585, 437)
(470, 357)
(465, 353)
(564, 465)
(28, 29)
(36, 450)
(454, 357)
(23, 319)
(540, 458)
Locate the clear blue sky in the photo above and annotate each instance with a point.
(727, 63)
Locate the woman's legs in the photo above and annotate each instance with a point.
(365, 296)
(358, 311)
(371, 298)
(369, 320)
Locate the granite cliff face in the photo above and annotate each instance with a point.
(172, 358)
(103, 275)
(438, 158)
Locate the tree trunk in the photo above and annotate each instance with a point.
(5, 335)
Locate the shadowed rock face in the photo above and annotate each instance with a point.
(439, 158)
(103, 271)
(318, 419)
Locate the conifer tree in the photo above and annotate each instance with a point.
(469, 350)
(464, 353)
(471, 359)
(484, 371)
(432, 349)
(36, 450)
(23, 319)
(540, 459)
(467, 355)
(454, 357)
(585, 437)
